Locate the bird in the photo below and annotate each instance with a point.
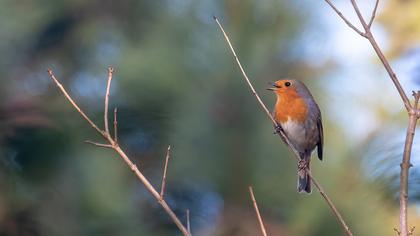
(297, 114)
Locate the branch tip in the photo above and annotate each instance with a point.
(373, 14)
(257, 211)
(165, 169)
(188, 221)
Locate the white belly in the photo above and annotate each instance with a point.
(297, 134)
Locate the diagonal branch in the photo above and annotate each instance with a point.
(73, 103)
(368, 35)
(165, 169)
(257, 211)
(114, 145)
(281, 133)
(345, 19)
(254, 92)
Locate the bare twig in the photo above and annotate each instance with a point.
(397, 231)
(405, 166)
(99, 144)
(412, 110)
(257, 211)
(108, 87)
(345, 19)
(243, 72)
(165, 168)
(112, 144)
(254, 92)
(115, 126)
(416, 96)
(330, 204)
(372, 17)
(281, 133)
(188, 221)
(73, 103)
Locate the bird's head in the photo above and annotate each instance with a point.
(284, 86)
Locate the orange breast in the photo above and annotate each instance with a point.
(290, 105)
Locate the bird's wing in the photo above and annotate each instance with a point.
(320, 143)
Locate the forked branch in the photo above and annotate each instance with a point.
(412, 110)
(281, 133)
(113, 143)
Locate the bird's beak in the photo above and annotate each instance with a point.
(275, 86)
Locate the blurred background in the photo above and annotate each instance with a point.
(176, 83)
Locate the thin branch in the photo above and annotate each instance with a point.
(359, 14)
(345, 19)
(280, 133)
(165, 169)
(405, 167)
(254, 92)
(188, 221)
(243, 72)
(330, 204)
(372, 17)
(416, 96)
(122, 154)
(115, 126)
(99, 144)
(73, 103)
(108, 87)
(260, 220)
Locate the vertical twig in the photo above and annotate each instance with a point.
(188, 221)
(372, 17)
(165, 168)
(114, 145)
(115, 126)
(257, 211)
(281, 133)
(405, 167)
(108, 87)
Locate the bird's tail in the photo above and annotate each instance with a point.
(304, 180)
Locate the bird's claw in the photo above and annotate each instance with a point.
(302, 164)
(278, 129)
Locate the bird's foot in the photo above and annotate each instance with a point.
(278, 129)
(303, 164)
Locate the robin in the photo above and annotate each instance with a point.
(298, 115)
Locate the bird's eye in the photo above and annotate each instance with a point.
(287, 84)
